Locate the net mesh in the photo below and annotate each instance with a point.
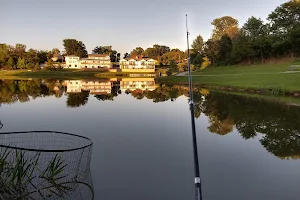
(45, 165)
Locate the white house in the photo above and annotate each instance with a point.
(96, 61)
(138, 64)
(72, 62)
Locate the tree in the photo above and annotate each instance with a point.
(74, 47)
(197, 44)
(225, 48)
(285, 17)
(11, 64)
(225, 25)
(103, 50)
(138, 51)
(21, 63)
(206, 62)
(49, 65)
(30, 66)
(254, 28)
(172, 68)
(211, 49)
(156, 51)
(126, 55)
(37, 67)
(174, 55)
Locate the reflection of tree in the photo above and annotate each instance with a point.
(104, 97)
(221, 127)
(278, 122)
(21, 90)
(138, 94)
(77, 99)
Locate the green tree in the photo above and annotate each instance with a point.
(211, 49)
(197, 44)
(30, 66)
(103, 50)
(225, 48)
(21, 63)
(254, 28)
(11, 64)
(138, 51)
(74, 47)
(49, 65)
(37, 67)
(172, 68)
(285, 17)
(156, 51)
(225, 25)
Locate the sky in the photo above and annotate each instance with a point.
(124, 25)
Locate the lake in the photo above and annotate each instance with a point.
(249, 147)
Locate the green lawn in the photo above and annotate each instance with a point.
(60, 74)
(254, 69)
(254, 77)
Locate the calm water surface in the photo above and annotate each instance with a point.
(248, 148)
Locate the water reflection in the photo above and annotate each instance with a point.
(276, 123)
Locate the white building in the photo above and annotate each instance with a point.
(137, 84)
(138, 64)
(72, 62)
(96, 61)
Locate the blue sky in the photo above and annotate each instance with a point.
(122, 24)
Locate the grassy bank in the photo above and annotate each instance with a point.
(61, 74)
(251, 77)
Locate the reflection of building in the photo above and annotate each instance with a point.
(94, 87)
(73, 86)
(137, 83)
(138, 64)
(95, 61)
(72, 62)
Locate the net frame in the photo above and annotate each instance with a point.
(42, 150)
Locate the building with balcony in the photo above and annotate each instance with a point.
(96, 61)
(72, 62)
(138, 64)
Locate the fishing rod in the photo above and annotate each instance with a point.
(191, 103)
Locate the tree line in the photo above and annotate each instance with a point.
(255, 41)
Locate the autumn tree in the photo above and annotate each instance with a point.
(175, 55)
(225, 25)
